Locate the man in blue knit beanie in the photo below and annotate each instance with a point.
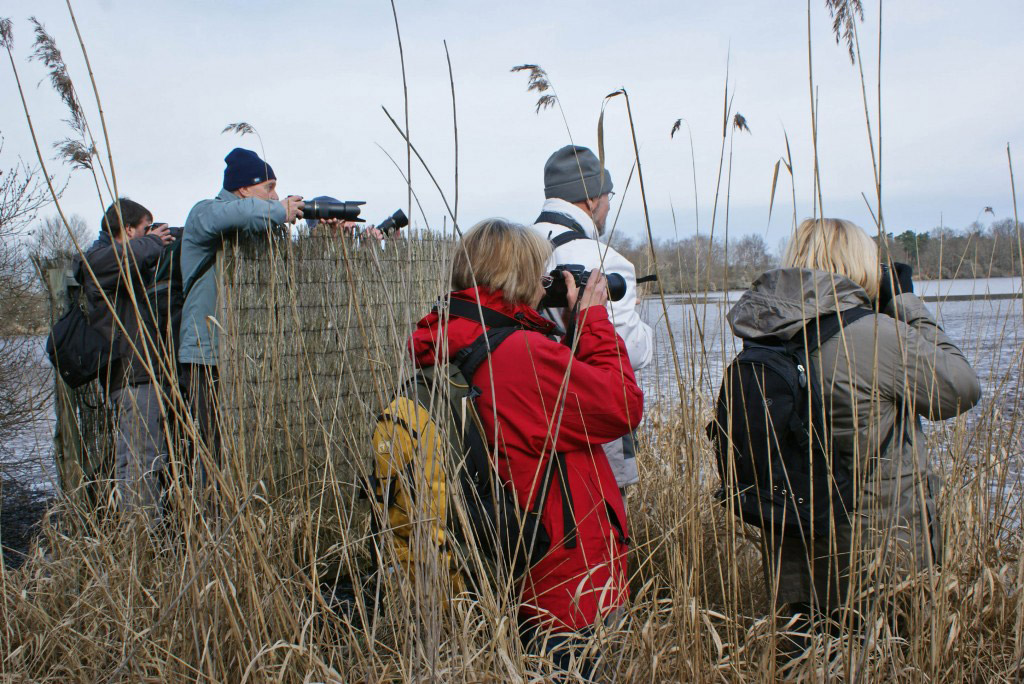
(247, 204)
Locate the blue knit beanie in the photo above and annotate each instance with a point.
(244, 168)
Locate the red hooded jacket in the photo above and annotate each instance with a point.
(523, 393)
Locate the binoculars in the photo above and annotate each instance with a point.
(556, 294)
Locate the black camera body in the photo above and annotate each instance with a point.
(320, 209)
(556, 296)
(394, 222)
(175, 231)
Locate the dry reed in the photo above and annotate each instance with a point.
(239, 582)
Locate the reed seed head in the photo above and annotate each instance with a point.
(6, 33)
(844, 14)
(75, 153)
(241, 128)
(47, 52)
(538, 81)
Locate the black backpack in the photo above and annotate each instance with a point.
(770, 435)
(78, 351)
(166, 296)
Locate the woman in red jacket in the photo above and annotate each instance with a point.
(541, 400)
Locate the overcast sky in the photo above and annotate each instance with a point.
(312, 77)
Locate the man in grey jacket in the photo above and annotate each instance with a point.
(248, 204)
(578, 192)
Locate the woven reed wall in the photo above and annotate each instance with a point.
(313, 346)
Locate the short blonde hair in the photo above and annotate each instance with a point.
(503, 256)
(838, 246)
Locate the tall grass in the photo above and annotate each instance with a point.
(241, 581)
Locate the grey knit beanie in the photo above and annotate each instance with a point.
(573, 173)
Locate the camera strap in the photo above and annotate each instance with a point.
(570, 327)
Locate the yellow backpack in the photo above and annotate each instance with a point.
(429, 452)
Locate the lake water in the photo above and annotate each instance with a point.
(989, 331)
(28, 453)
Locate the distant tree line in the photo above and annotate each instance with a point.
(698, 263)
(974, 252)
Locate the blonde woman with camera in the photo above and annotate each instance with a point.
(879, 377)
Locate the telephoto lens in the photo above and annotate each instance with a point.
(394, 222)
(616, 286)
(320, 209)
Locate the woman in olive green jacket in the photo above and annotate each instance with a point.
(879, 377)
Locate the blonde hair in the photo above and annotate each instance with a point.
(838, 246)
(503, 256)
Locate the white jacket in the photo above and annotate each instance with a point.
(594, 254)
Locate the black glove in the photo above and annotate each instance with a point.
(895, 281)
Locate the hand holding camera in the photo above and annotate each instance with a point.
(896, 279)
(592, 290)
(162, 231)
(293, 208)
(396, 221)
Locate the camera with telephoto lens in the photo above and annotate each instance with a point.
(394, 222)
(556, 294)
(324, 210)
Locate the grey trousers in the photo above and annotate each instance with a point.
(141, 455)
(622, 458)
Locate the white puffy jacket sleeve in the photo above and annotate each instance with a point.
(625, 315)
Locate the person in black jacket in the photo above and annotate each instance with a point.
(118, 268)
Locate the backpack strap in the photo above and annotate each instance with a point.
(568, 517)
(576, 231)
(561, 220)
(563, 238)
(468, 359)
(77, 268)
(205, 265)
(820, 330)
(489, 318)
(816, 333)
